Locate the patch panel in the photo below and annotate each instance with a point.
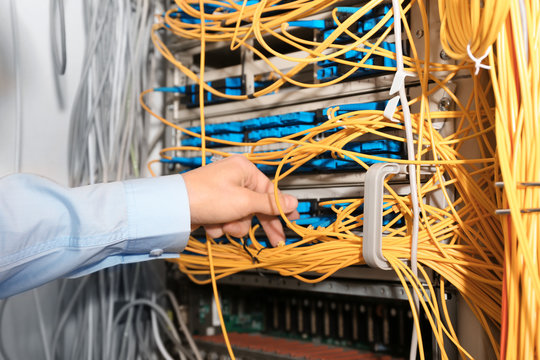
(330, 70)
(296, 118)
(276, 126)
(351, 55)
(248, 77)
(321, 164)
(324, 216)
(208, 8)
(252, 69)
(327, 26)
(229, 86)
(345, 108)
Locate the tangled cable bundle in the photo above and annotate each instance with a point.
(462, 240)
(515, 76)
(109, 133)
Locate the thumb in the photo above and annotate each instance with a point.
(265, 203)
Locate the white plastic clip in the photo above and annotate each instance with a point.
(397, 84)
(399, 81)
(478, 61)
(373, 210)
(390, 109)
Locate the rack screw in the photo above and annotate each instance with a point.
(444, 55)
(444, 104)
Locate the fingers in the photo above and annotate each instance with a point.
(214, 230)
(224, 196)
(271, 225)
(273, 228)
(238, 228)
(294, 215)
(258, 182)
(265, 203)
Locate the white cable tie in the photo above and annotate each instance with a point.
(399, 81)
(390, 109)
(478, 61)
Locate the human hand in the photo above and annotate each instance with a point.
(224, 196)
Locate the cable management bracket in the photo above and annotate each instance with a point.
(373, 213)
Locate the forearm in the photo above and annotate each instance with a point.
(47, 231)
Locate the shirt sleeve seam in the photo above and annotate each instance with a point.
(64, 243)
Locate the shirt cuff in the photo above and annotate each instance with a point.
(114, 260)
(159, 219)
(158, 222)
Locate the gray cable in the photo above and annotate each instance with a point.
(90, 330)
(127, 330)
(3, 353)
(158, 340)
(142, 340)
(59, 60)
(41, 322)
(80, 107)
(65, 315)
(112, 273)
(108, 139)
(183, 325)
(158, 309)
(18, 86)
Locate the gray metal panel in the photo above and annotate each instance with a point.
(336, 94)
(383, 290)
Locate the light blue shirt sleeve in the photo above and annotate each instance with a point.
(48, 231)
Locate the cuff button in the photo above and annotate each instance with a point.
(156, 252)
